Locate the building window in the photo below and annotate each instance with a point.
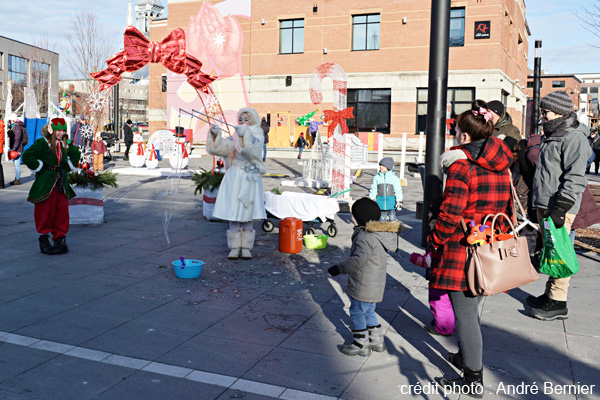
(17, 73)
(291, 36)
(584, 90)
(558, 84)
(164, 84)
(372, 110)
(504, 97)
(457, 27)
(460, 100)
(365, 32)
(40, 81)
(17, 69)
(529, 84)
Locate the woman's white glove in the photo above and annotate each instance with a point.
(214, 131)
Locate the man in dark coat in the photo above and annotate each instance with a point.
(128, 138)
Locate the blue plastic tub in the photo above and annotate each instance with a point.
(192, 268)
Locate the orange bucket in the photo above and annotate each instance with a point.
(290, 235)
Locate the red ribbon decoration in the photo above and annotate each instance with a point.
(140, 151)
(338, 118)
(139, 51)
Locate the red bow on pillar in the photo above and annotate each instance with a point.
(139, 51)
(336, 118)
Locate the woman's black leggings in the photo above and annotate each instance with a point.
(468, 328)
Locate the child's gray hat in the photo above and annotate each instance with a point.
(387, 162)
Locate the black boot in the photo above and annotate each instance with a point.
(537, 302)
(553, 309)
(60, 246)
(45, 246)
(456, 360)
(471, 384)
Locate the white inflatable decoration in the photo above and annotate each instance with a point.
(137, 154)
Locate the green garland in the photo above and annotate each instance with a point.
(101, 180)
(206, 180)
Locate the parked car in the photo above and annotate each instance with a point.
(141, 126)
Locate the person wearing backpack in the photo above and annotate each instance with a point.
(15, 136)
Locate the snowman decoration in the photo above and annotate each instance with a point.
(152, 157)
(180, 157)
(137, 156)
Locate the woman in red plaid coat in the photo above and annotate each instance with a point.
(478, 184)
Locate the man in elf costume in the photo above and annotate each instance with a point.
(51, 159)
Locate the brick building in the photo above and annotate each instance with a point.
(265, 53)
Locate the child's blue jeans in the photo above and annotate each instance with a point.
(362, 315)
(388, 215)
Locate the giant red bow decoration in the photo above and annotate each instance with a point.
(336, 118)
(139, 51)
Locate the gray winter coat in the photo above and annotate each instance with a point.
(367, 265)
(561, 163)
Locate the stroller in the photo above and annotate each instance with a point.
(109, 138)
(309, 208)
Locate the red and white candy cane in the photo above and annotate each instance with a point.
(340, 174)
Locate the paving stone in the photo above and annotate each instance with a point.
(151, 386)
(217, 355)
(79, 379)
(143, 341)
(16, 359)
(315, 374)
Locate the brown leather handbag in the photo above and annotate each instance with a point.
(499, 265)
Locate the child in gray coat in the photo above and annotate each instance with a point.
(366, 269)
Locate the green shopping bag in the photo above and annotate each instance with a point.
(558, 257)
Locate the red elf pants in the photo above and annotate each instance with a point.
(52, 215)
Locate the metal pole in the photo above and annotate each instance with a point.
(436, 106)
(537, 83)
(116, 111)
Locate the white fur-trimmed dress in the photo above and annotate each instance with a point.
(240, 195)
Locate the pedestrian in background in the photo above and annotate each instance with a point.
(2, 140)
(15, 136)
(367, 271)
(558, 186)
(595, 159)
(98, 149)
(386, 190)
(127, 138)
(264, 125)
(301, 143)
(477, 184)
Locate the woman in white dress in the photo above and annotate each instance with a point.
(240, 199)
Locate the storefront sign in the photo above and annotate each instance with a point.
(482, 29)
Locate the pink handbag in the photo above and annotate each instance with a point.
(499, 265)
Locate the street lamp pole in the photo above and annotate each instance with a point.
(439, 48)
(537, 73)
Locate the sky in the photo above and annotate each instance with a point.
(567, 47)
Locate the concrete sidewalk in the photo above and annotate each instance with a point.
(109, 320)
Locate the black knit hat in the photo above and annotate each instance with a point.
(387, 162)
(497, 107)
(365, 210)
(557, 102)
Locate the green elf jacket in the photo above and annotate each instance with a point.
(38, 156)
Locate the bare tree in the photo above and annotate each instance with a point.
(590, 17)
(90, 46)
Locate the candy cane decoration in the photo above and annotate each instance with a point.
(340, 173)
